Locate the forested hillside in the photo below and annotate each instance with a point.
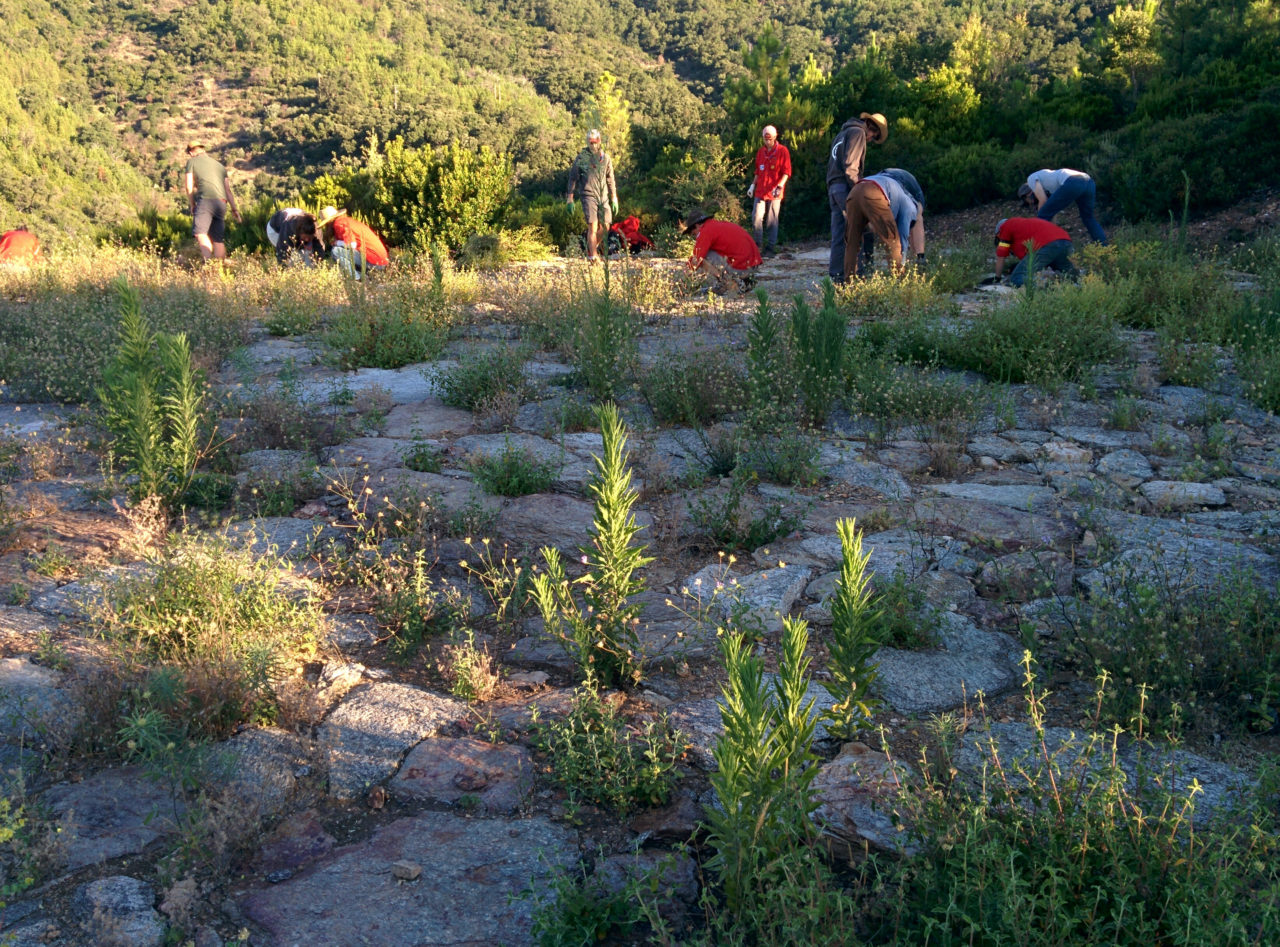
(98, 98)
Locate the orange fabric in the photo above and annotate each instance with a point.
(357, 235)
(19, 246)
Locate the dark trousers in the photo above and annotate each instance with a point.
(1082, 192)
(837, 196)
(1052, 256)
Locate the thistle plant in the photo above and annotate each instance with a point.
(853, 644)
(601, 632)
(153, 403)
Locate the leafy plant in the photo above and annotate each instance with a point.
(853, 640)
(481, 374)
(598, 757)
(904, 619)
(413, 604)
(468, 670)
(507, 581)
(601, 633)
(580, 909)
(604, 340)
(153, 403)
(513, 473)
(818, 344)
(731, 528)
(397, 323)
(698, 386)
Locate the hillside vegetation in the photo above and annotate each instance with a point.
(98, 98)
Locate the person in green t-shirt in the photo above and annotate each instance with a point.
(209, 195)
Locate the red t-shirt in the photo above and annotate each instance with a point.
(1016, 231)
(730, 241)
(18, 246)
(355, 234)
(771, 165)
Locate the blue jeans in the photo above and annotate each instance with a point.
(837, 196)
(764, 222)
(1083, 192)
(1052, 256)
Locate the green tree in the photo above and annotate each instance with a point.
(608, 111)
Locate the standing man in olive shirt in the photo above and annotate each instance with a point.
(209, 195)
(591, 177)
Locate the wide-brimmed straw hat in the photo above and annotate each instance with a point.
(694, 218)
(879, 121)
(329, 215)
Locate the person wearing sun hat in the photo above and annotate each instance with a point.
(355, 246)
(773, 170)
(591, 178)
(845, 168)
(723, 251)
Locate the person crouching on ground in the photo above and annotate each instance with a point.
(1052, 246)
(292, 232)
(880, 203)
(19, 246)
(355, 246)
(725, 252)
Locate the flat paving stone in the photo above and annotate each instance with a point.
(112, 813)
(498, 777)
(369, 733)
(468, 895)
(971, 660)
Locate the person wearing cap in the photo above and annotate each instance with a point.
(773, 170)
(591, 179)
(1052, 246)
(881, 204)
(845, 168)
(355, 246)
(723, 251)
(292, 232)
(209, 195)
(19, 245)
(915, 240)
(1050, 190)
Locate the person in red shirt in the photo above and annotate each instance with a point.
(723, 251)
(1051, 243)
(773, 170)
(19, 246)
(355, 246)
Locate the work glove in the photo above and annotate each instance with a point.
(569, 205)
(751, 190)
(615, 205)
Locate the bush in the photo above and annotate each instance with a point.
(597, 757)
(1059, 846)
(481, 374)
(394, 324)
(422, 197)
(1199, 658)
(696, 386)
(513, 473)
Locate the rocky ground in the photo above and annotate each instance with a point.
(407, 817)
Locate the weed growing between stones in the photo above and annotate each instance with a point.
(482, 374)
(394, 323)
(412, 604)
(854, 620)
(505, 580)
(513, 473)
(604, 339)
(423, 457)
(1208, 657)
(772, 885)
(601, 633)
(1060, 845)
(598, 757)
(468, 669)
(153, 403)
(904, 618)
(775, 446)
(883, 297)
(731, 527)
(698, 386)
(582, 908)
(819, 344)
